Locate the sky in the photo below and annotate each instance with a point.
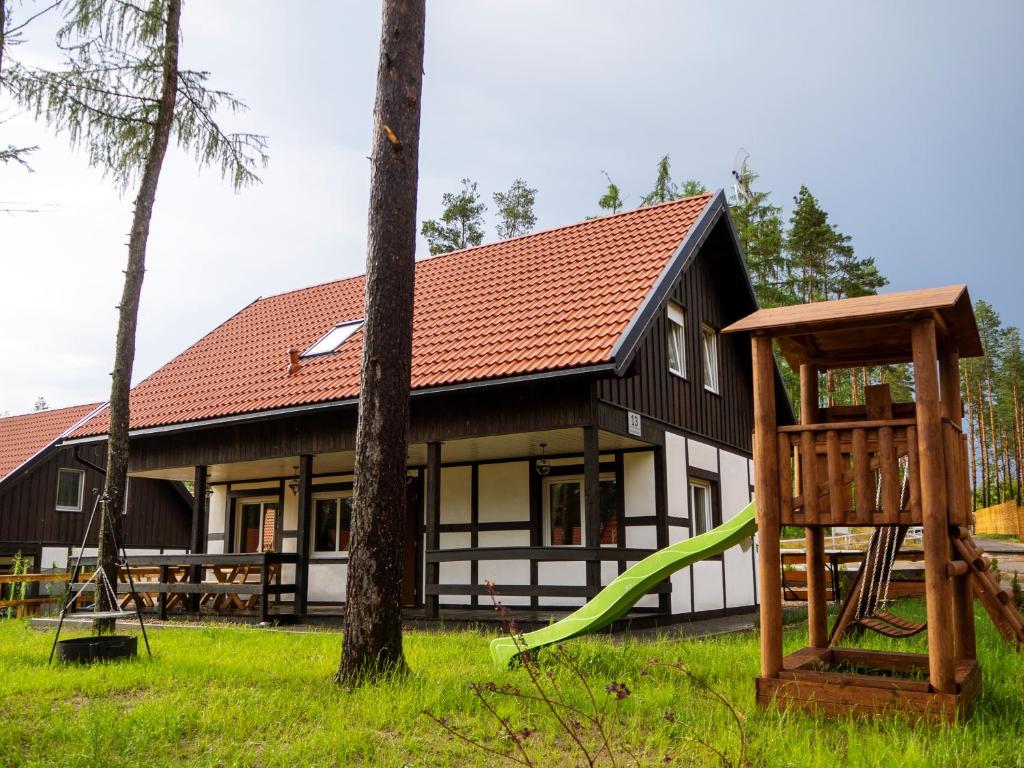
(902, 118)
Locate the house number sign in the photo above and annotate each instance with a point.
(634, 424)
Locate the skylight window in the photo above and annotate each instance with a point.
(333, 339)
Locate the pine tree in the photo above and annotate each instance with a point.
(121, 95)
(372, 646)
(515, 210)
(665, 189)
(611, 200)
(461, 224)
(759, 230)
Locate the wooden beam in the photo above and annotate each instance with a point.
(592, 501)
(933, 481)
(433, 520)
(814, 537)
(766, 463)
(963, 597)
(302, 539)
(199, 526)
(661, 513)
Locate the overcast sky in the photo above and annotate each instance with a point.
(902, 118)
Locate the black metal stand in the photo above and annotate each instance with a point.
(74, 588)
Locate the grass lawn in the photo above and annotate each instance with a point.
(251, 697)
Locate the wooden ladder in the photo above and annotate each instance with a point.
(997, 601)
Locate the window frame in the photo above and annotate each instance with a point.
(709, 492)
(315, 553)
(546, 500)
(707, 332)
(262, 501)
(675, 319)
(354, 325)
(81, 490)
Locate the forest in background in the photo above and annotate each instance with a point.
(804, 258)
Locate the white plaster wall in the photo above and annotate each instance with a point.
(505, 571)
(54, 557)
(569, 574)
(454, 573)
(290, 519)
(707, 582)
(456, 495)
(739, 569)
(675, 475)
(680, 591)
(638, 484)
(702, 455)
(504, 492)
(327, 581)
(217, 509)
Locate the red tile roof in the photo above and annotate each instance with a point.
(547, 301)
(22, 437)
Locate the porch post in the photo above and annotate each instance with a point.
(592, 502)
(661, 516)
(305, 502)
(198, 544)
(433, 515)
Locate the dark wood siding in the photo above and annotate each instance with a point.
(451, 416)
(158, 515)
(711, 291)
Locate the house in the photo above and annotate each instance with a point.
(47, 492)
(574, 408)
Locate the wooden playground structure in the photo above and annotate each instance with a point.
(884, 465)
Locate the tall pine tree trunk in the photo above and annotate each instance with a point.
(969, 401)
(983, 447)
(124, 351)
(373, 612)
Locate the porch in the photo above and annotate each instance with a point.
(549, 516)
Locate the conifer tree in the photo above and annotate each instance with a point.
(122, 96)
(759, 229)
(461, 223)
(515, 210)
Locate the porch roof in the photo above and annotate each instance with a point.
(559, 300)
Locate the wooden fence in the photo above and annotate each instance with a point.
(1006, 519)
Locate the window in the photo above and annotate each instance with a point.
(700, 507)
(333, 339)
(257, 526)
(710, 344)
(564, 511)
(70, 488)
(332, 523)
(676, 340)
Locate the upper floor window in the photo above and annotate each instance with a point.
(676, 339)
(333, 522)
(710, 344)
(564, 511)
(333, 339)
(70, 490)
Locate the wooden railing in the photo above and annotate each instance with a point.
(863, 473)
(231, 572)
(849, 474)
(563, 554)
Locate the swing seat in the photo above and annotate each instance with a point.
(889, 625)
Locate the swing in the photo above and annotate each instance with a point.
(874, 585)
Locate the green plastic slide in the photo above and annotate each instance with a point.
(614, 601)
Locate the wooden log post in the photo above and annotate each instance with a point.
(963, 596)
(814, 535)
(302, 539)
(433, 523)
(766, 463)
(199, 525)
(661, 514)
(933, 483)
(592, 503)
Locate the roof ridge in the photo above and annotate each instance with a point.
(433, 257)
(51, 411)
